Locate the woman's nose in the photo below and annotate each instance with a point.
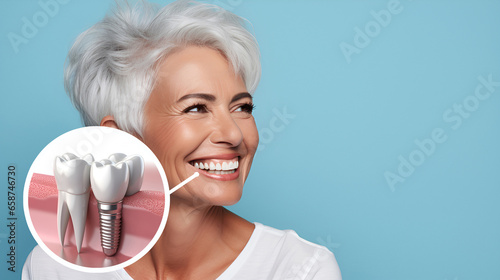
(226, 131)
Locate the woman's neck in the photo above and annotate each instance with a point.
(197, 243)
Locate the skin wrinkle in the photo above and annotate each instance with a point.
(201, 238)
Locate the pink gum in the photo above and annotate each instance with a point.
(141, 218)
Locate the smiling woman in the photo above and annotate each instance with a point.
(201, 107)
(181, 80)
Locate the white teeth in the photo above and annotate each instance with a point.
(224, 166)
(221, 172)
(109, 181)
(135, 165)
(106, 161)
(117, 157)
(72, 176)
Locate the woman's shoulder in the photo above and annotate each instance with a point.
(290, 243)
(288, 240)
(283, 254)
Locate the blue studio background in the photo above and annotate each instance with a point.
(379, 125)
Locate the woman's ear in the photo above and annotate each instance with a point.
(109, 121)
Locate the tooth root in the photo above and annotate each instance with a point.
(196, 165)
(225, 166)
(77, 206)
(74, 206)
(218, 167)
(62, 216)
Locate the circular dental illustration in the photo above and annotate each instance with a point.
(96, 199)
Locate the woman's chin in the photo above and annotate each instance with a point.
(215, 195)
(208, 194)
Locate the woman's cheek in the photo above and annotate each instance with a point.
(250, 134)
(170, 134)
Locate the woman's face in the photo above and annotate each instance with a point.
(199, 119)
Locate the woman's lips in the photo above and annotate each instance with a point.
(218, 169)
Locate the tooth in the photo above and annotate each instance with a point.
(202, 166)
(106, 161)
(117, 157)
(135, 165)
(196, 165)
(109, 183)
(72, 176)
(237, 164)
(218, 167)
(69, 156)
(212, 166)
(217, 172)
(206, 166)
(225, 166)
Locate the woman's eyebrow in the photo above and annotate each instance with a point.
(210, 97)
(240, 96)
(206, 96)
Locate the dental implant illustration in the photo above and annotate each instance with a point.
(110, 182)
(72, 176)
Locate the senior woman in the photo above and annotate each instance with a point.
(181, 79)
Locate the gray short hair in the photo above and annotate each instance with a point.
(112, 66)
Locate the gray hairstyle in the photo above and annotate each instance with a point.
(111, 68)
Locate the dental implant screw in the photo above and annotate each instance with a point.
(110, 221)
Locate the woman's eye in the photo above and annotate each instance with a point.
(247, 108)
(197, 108)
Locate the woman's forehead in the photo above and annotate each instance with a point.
(197, 70)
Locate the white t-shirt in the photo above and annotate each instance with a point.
(269, 254)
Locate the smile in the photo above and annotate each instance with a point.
(216, 166)
(222, 167)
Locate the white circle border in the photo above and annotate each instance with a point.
(108, 268)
